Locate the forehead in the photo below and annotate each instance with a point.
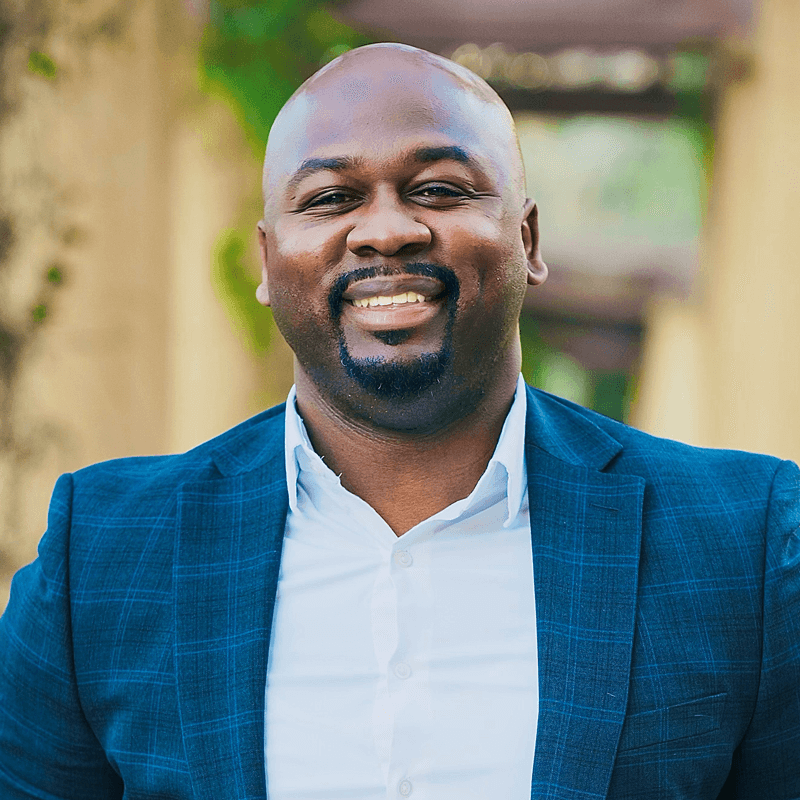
(381, 112)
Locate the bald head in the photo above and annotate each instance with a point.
(392, 83)
(397, 242)
(387, 56)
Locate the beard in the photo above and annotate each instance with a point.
(398, 380)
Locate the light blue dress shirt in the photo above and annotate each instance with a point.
(403, 666)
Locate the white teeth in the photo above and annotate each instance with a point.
(384, 300)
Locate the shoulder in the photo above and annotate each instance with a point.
(152, 480)
(660, 462)
(123, 513)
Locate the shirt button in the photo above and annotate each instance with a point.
(403, 558)
(405, 788)
(402, 671)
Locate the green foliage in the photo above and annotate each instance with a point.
(534, 350)
(41, 64)
(54, 275)
(695, 103)
(254, 54)
(610, 393)
(9, 347)
(39, 312)
(239, 290)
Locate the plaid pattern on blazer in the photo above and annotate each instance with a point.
(133, 652)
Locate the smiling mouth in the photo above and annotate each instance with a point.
(395, 306)
(385, 300)
(395, 302)
(395, 289)
(379, 317)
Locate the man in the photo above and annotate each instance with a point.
(418, 578)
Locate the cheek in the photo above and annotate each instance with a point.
(298, 239)
(299, 312)
(298, 266)
(496, 267)
(296, 244)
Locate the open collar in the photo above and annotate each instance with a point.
(508, 457)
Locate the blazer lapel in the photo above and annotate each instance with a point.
(230, 533)
(586, 530)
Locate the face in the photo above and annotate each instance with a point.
(396, 244)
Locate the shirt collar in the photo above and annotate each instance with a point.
(508, 457)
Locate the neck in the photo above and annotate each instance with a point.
(405, 477)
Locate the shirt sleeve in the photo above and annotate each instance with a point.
(767, 762)
(47, 748)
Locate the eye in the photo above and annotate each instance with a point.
(330, 199)
(444, 193)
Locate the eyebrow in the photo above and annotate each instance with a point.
(342, 163)
(444, 153)
(312, 165)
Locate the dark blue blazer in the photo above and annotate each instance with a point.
(133, 653)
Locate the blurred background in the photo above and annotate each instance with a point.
(661, 144)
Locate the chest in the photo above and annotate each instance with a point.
(402, 659)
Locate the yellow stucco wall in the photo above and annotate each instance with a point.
(723, 369)
(139, 356)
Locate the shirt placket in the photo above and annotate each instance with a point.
(407, 670)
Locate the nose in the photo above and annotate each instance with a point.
(387, 227)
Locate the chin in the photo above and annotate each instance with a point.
(419, 397)
(397, 380)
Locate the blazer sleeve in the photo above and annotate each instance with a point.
(47, 749)
(767, 762)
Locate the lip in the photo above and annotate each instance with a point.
(393, 317)
(391, 285)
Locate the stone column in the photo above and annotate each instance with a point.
(140, 174)
(741, 335)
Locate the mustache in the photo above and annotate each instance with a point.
(441, 273)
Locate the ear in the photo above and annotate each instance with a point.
(262, 292)
(537, 269)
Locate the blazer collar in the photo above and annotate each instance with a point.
(565, 431)
(254, 443)
(553, 425)
(227, 562)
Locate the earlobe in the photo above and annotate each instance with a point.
(537, 269)
(537, 273)
(262, 291)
